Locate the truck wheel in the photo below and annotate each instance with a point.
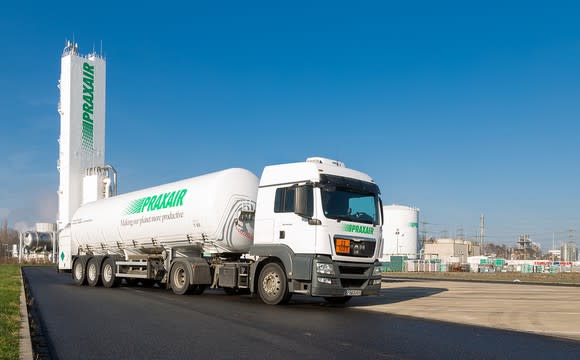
(108, 274)
(338, 300)
(179, 279)
(273, 285)
(78, 272)
(93, 276)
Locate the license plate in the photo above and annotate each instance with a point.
(352, 292)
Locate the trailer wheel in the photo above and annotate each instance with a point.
(93, 276)
(108, 274)
(338, 300)
(179, 279)
(78, 273)
(273, 285)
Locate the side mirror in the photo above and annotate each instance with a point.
(304, 201)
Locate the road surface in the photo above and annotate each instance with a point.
(152, 323)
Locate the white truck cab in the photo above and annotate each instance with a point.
(320, 222)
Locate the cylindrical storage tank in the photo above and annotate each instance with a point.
(45, 227)
(400, 230)
(197, 213)
(37, 241)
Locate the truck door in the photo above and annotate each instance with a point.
(291, 228)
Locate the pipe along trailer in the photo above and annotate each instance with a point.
(311, 228)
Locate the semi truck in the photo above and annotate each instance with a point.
(312, 228)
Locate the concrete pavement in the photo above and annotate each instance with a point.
(544, 310)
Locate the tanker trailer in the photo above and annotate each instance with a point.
(147, 234)
(311, 228)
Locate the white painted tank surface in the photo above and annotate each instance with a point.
(37, 241)
(400, 230)
(197, 213)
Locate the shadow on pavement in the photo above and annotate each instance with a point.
(395, 295)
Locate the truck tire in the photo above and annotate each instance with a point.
(78, 272)
(273, 285)
(338, 300)
(108, 274)
(179, 278)
(93, 273)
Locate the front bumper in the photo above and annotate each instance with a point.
(349, 279)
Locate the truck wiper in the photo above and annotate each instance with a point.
(342, 217)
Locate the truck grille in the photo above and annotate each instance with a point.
(354, 275)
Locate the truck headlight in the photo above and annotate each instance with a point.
(324, 280)
(377, 271)
(324, 268)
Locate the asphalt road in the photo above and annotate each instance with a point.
(152, 323)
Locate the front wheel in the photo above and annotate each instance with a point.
(273, 285)
(179, 279)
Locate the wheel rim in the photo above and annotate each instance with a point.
(179, 278)
(107, 273)
(92, 273)
(271, 284)
(78, 271)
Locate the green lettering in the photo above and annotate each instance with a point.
(88, 90)
(152, 203)
(89, 68)
(145, 203)
(164, 202)
(171, 199)
(89, 83)
(157, 205)
(180, 196)
(88, 108)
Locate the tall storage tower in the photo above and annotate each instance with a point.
(400, 231)
(82, 126)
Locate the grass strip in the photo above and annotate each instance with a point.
(9, 311)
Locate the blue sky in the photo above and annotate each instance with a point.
(457, 108)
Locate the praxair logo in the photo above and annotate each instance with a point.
(361, 229)
(156, 202)
(88, 107)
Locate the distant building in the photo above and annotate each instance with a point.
(451, 250)
(569, 251)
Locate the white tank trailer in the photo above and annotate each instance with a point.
(200, 214)
(311, 228)
(400, 231)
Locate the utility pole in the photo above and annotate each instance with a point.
(481, 232)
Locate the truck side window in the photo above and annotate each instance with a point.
(284, 201)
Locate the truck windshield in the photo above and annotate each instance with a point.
(349, 199)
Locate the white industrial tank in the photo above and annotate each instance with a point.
(400, 231)
(201, 212)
